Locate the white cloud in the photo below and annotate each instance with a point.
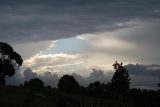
(108, 41)
(53, 62)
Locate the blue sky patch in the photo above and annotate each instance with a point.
(70, 46)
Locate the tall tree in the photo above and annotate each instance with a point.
(120, 81)
(8, 60)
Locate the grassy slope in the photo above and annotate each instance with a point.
(22, 97)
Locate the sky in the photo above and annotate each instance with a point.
(76, 36)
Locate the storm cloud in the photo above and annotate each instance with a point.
(31, 21)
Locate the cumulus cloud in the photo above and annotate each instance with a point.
(95, 75)
(142, 76)
(59, 63)
(50, 78)
(21, 76)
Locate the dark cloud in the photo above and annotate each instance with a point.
(22, 76)
(142, 76)
(95, 75)
(39, 20)
(52, 2)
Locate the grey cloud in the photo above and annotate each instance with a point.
(95, 75)
(29, 73)
(142, 76)
(142, 43)
(146, 39)
(51, 20)
(28, 50)
(52, 2)
(145, 33)
(21, 76)
(52, 79)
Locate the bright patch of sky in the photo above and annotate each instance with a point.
(69, 46)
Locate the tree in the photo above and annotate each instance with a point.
(61, 103)
(120, 81)
(68, 83)
(8, 60)
(35, 82)
(96, 89)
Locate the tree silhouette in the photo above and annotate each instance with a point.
(96, 89)
(120, 81)
(68, 83)
(61, 103)
(36, 83)
(8, 60)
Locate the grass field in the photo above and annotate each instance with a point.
(23, 97)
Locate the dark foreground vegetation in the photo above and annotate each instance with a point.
(33, 93)
(11, 96)
(23, 97)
